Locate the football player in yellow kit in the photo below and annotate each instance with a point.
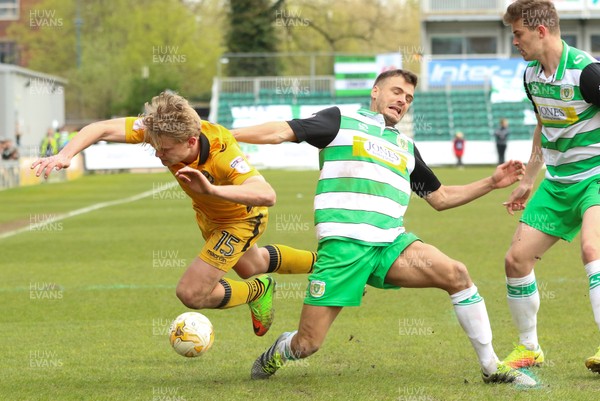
(229, 196)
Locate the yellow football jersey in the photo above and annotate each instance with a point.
(222, 162)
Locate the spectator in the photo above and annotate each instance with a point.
(49, 145)
(18, 134)
(458, 144)
(73, 133)
(62, 138)
(501, 136)
(8, 150)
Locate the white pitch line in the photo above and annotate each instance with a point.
(37, 226)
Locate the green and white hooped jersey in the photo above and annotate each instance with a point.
(570, 126)
(364, 187)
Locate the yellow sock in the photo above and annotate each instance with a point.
(288, 260)
(240, 292)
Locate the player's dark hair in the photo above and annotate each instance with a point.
(533, 13)
(408, 76)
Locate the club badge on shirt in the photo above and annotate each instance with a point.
(567, 92)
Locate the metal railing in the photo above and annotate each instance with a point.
(462, 5)
(9, 174)
(582, 8)
(296, 85)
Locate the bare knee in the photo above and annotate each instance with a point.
(244, 270)
(589, 251)
(191, 297)
(457, 278)
(252, 263)
(515, 265)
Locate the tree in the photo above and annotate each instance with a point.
(251, 30)
(177, 48)
(179, 42)
(350, 26)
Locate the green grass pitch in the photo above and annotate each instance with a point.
(86, 302)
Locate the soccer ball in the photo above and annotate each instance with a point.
(191, 334)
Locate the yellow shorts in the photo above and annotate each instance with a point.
(227, 242)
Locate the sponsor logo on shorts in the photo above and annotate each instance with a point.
(317, 288)
(216, 257)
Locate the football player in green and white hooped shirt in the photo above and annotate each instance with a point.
(563, 83)
(368, 169)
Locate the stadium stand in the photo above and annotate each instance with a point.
(279, 91)
(436, 115)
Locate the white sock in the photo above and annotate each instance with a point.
(285, 348)
(472, 316)
(593, 272)
(524, 303)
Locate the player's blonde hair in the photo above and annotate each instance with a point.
(169, 114)
(533, 13)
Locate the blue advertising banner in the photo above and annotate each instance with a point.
(473, 72)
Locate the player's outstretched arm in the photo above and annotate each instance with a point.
(255, 191)
(109, 130)
(519, 196)
(449, 196)
(271, 133)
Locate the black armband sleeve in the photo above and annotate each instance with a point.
(529, 95)
(589, 83)
(318, 130)
(422, 180)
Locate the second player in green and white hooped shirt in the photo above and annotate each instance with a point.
(570, 121)
(367, 173)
